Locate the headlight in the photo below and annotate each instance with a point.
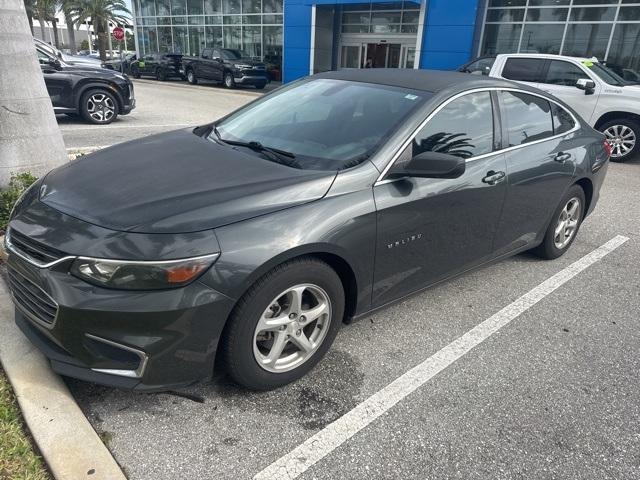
(135, 275)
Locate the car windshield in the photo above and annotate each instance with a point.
(606, 74)
(229, 54)
(326, 124)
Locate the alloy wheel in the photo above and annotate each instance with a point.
(190, 76)
(292, 328)
(568, 222)
(622, 140)
(101, 107)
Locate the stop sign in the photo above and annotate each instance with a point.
(118, 33)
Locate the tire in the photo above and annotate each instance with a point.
(624, 136)
(553, 245)
(90, 104)
(191, 77)
(161, 75)
(247, 342)
(260, 86)
(135, 71)
(228, 80)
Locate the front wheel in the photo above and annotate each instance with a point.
(191, 77)
(229, 81)
(99, 106)
(135, 71)
(564, 225)
(623, 135)
(161, 75)
(260, 86)
(284, 324)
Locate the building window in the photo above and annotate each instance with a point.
(393, 17)
(606, 29)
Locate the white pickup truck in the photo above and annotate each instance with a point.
(605, 100)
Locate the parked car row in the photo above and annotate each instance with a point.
(227, 66)
(607, 101)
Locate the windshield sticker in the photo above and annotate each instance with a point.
(588, 63)
(408, 96)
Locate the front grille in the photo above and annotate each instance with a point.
(32, 249)
(31, 299)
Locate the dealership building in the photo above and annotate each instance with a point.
(300, 37)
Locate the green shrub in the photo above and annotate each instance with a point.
(84, 45)
(9, 195)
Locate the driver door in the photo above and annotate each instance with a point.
(430, 228)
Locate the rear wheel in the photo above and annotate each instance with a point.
(564, 226)
(99, 106)
(191, 77)
(284, 324)
(161, 74)
(624, 137)
(229, 81)
(260, 86)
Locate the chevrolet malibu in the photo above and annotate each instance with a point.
(249, 241)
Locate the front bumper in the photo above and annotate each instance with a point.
(250, 79)
(142, 340)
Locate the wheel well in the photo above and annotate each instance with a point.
(105, 88)
(348, 279)
(607, 117)
(587, 188)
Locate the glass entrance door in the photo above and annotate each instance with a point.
(377, 55)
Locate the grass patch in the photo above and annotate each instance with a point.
(18, 461)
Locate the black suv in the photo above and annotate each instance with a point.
(158, 65)
(98, 94)
(227, 66)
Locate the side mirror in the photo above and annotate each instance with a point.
(217, 59)
(587, 85)
(431, 165)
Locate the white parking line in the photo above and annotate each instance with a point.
(72, 128)
(321, 444)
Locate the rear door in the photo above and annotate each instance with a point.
(524, 70)
(560, 80)
(206, 69)
(541, 151)
(217, 65)
(429, 228)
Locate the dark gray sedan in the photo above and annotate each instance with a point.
(249, 241)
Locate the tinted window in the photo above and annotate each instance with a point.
(481, 66)
(528, 117)
(328, 124)
(562, 120)
(564, 73)
(206, 53)
(523, 69)
(464, 128)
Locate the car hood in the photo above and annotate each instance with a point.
(177, 182)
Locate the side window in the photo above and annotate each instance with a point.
(562, 120)
(43, 58)
(206, 53)
(216, 54)
(524, 69)
(528, 117)
(481, 66)
(464, 127)
(563, 73)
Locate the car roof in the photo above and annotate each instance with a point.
(548, 56)
(427, 80)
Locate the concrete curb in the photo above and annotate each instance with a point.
(65, 438)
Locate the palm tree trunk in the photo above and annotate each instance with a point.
(71, 32)
(30, 19)
(54, 23)
(26, 112)
(42, 31)
(102, 38)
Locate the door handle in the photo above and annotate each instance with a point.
(493, 177)
(562, 157)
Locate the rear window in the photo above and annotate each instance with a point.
(528, 117)
(562, 120)
(524, 69)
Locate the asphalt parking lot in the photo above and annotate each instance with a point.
(554, 393)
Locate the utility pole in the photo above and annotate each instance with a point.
(30, 139)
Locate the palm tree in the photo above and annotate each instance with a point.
(100, 12)
(45, 11)
(30, 7)
(30, 139)
(67, 6)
